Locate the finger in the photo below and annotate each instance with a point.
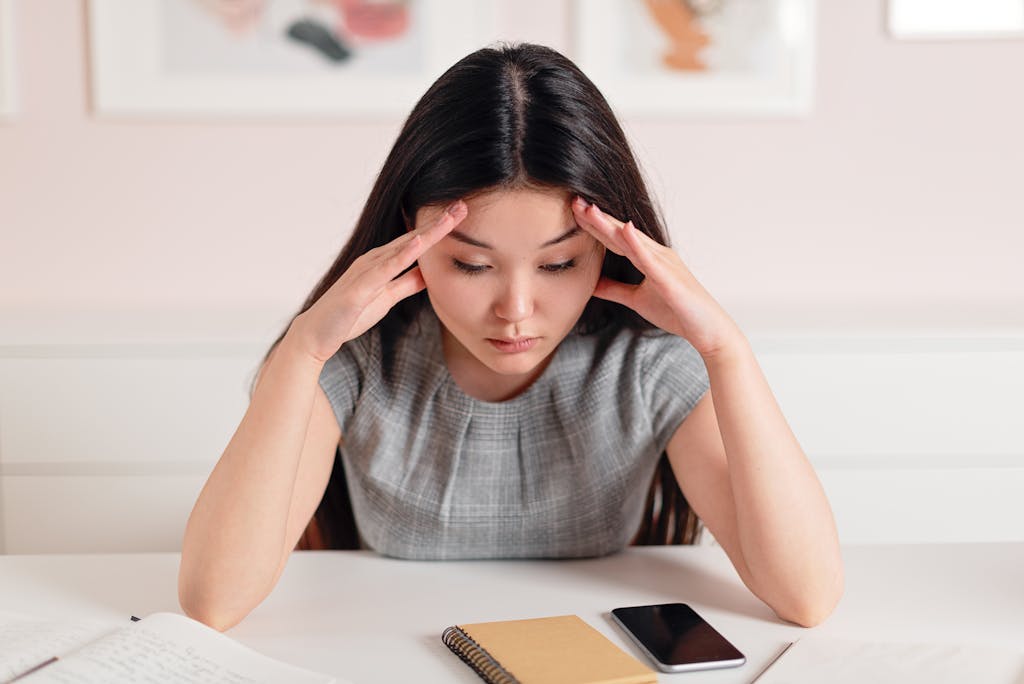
(383, 280)
(641, 249)
(404, 254)
(615, 231)
(384, 299)
(406, 285)
(431, 232)
(641, 253)
(401, 259)
(665, 252)
(601, 226)
(395, 252)
(430, 236)
(615, 291)
(445, 223)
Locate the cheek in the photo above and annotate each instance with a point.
(445, 287)
(572, 291)
(434, 271)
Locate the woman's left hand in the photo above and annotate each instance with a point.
(669, 296)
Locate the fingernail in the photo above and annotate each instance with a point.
(581, 202)
(456, 208)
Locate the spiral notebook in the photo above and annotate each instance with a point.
(550, 650)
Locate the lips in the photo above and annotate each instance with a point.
(513, 344)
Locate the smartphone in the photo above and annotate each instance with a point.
(676, 638)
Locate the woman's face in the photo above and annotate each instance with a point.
(509, 283)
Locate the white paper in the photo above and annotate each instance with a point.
(817, 659)
(25, 643)
(166, 648)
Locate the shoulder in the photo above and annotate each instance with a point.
(648, 351)
(661, 352)
(672, 380)
(650, 367)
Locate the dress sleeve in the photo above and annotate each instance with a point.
(344, 377)
(675, 379)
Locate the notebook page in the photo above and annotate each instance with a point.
(24, 643)
(166, 648)
(816, 659)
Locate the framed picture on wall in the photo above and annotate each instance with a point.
(699, 57)
(951, 19)
(7, 87)
(279, 58)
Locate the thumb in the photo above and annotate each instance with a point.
(615, 291)
(406, 285)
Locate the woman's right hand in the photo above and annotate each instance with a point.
(368, 289)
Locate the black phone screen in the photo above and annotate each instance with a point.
(675, 634)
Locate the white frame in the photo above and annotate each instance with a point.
(127, 80)
(8, 90)
(951, 20)
(597, 23)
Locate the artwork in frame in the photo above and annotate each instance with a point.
(7, 87)
(273, 58)
(955, 19)
(699, 57)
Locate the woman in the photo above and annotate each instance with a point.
(499, 356)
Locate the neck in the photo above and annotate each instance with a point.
(475, 379)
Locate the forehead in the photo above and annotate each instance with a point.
(509, 204)
(511, 213)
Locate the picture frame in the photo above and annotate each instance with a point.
(663, 58)
(8, 89)
(955, 19)
(172, 59)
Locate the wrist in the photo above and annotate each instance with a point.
(731, 349)
(295, 345)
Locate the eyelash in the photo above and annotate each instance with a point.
(552, 269)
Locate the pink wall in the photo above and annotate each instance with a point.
(897, 201)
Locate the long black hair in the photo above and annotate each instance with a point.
(508, 117)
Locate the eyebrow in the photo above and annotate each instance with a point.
(567, 235)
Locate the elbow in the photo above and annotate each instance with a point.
(809, 615)
(209, 615)
(811, 608)
(202, 609)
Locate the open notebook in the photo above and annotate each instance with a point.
(817, 658)
(163, 647)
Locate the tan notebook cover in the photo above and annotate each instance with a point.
(554, 650)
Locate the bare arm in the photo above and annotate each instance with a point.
(274, 471)
(261, 493)
(744, 473)
(735, 457)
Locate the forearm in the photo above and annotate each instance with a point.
(236, 533)
(785, 525)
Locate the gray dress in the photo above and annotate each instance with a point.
(559, 471)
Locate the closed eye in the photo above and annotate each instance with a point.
(474, 269)
(558, 268)
(469, 269)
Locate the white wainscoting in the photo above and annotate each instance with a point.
(104, 447)
(915, 439)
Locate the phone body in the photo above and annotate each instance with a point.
(676, 638)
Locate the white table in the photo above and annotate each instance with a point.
(372, 619)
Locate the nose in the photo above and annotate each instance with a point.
(515, 301)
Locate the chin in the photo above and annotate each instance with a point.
(512, 364)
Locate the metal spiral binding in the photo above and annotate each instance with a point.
(489, 669)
